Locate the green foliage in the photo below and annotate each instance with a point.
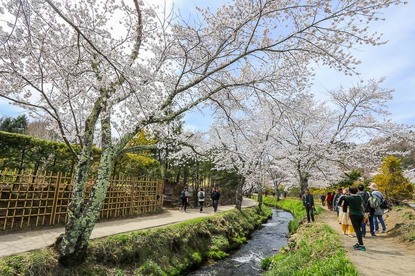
(348, 180)
(15, 125)
(216, 254)
(316, 252)
(391, 181)
(295, 207)
(197, 258)
(25, 153)
(150, 268)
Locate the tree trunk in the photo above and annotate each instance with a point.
(304, 181)
(259, 195)
(239, 189)
(72, 245)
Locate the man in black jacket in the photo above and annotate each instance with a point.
(308, 202)
(215, 195)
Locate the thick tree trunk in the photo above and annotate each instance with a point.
(304, 181)
(72, 245)
(239, 189)
(259, 195)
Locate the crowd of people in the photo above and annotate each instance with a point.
(201, 195)
(355, 208)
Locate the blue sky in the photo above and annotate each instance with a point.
(395, 61)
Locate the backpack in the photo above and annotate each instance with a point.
(183, 195)
(374, 202)
(365, 199)
(201, 195)
(385, 204)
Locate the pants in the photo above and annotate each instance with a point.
(201, 203)
(310, 213)
(371, 223)
(347, 229)
(356, 222)
(215, 204)
(363, 228)
(382, 222)
(184, 204)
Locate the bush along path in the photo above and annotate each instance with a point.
(169, 250)
(314, 249)
(390, 253)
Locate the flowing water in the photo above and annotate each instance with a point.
(264, 243)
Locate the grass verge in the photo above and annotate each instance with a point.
(170, 250)
(312, 250)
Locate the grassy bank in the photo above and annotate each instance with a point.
(169, 250)
(401, 222)
(314, 249)
(295, 207)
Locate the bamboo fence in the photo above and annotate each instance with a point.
(28, 201)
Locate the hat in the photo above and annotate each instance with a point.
(373, 186)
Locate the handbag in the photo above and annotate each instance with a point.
(365, 217)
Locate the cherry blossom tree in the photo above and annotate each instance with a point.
(321, 140)
(101, 71)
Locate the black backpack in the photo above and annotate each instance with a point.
(385, 204)
(365, 199)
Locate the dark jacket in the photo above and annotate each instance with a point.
(308, 201)
(215, 195)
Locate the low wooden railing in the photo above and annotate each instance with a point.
(39, 200)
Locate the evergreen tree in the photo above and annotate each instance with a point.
(391, 181)
(15, 125)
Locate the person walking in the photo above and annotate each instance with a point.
(323, 199)
(336, 198)
(329, 200)
(308, 202)
(377, 212)
(201, 198)
(344, 214)
(215, 195)
(365, 198)
(184, 196)
(354, 202)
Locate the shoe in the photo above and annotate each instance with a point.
(373, 234)
(356, 245)
(350, 235)
(360, 247)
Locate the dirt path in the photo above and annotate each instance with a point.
(384, 254)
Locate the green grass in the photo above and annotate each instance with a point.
(315, 250)
(295, 207)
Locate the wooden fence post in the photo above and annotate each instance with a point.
(55, 200)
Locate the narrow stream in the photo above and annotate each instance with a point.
(264, 243)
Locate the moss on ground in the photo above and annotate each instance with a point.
(170, 250)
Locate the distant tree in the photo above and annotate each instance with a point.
(391, 181)
(349, 179)
(42, 129)
(15, 125)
